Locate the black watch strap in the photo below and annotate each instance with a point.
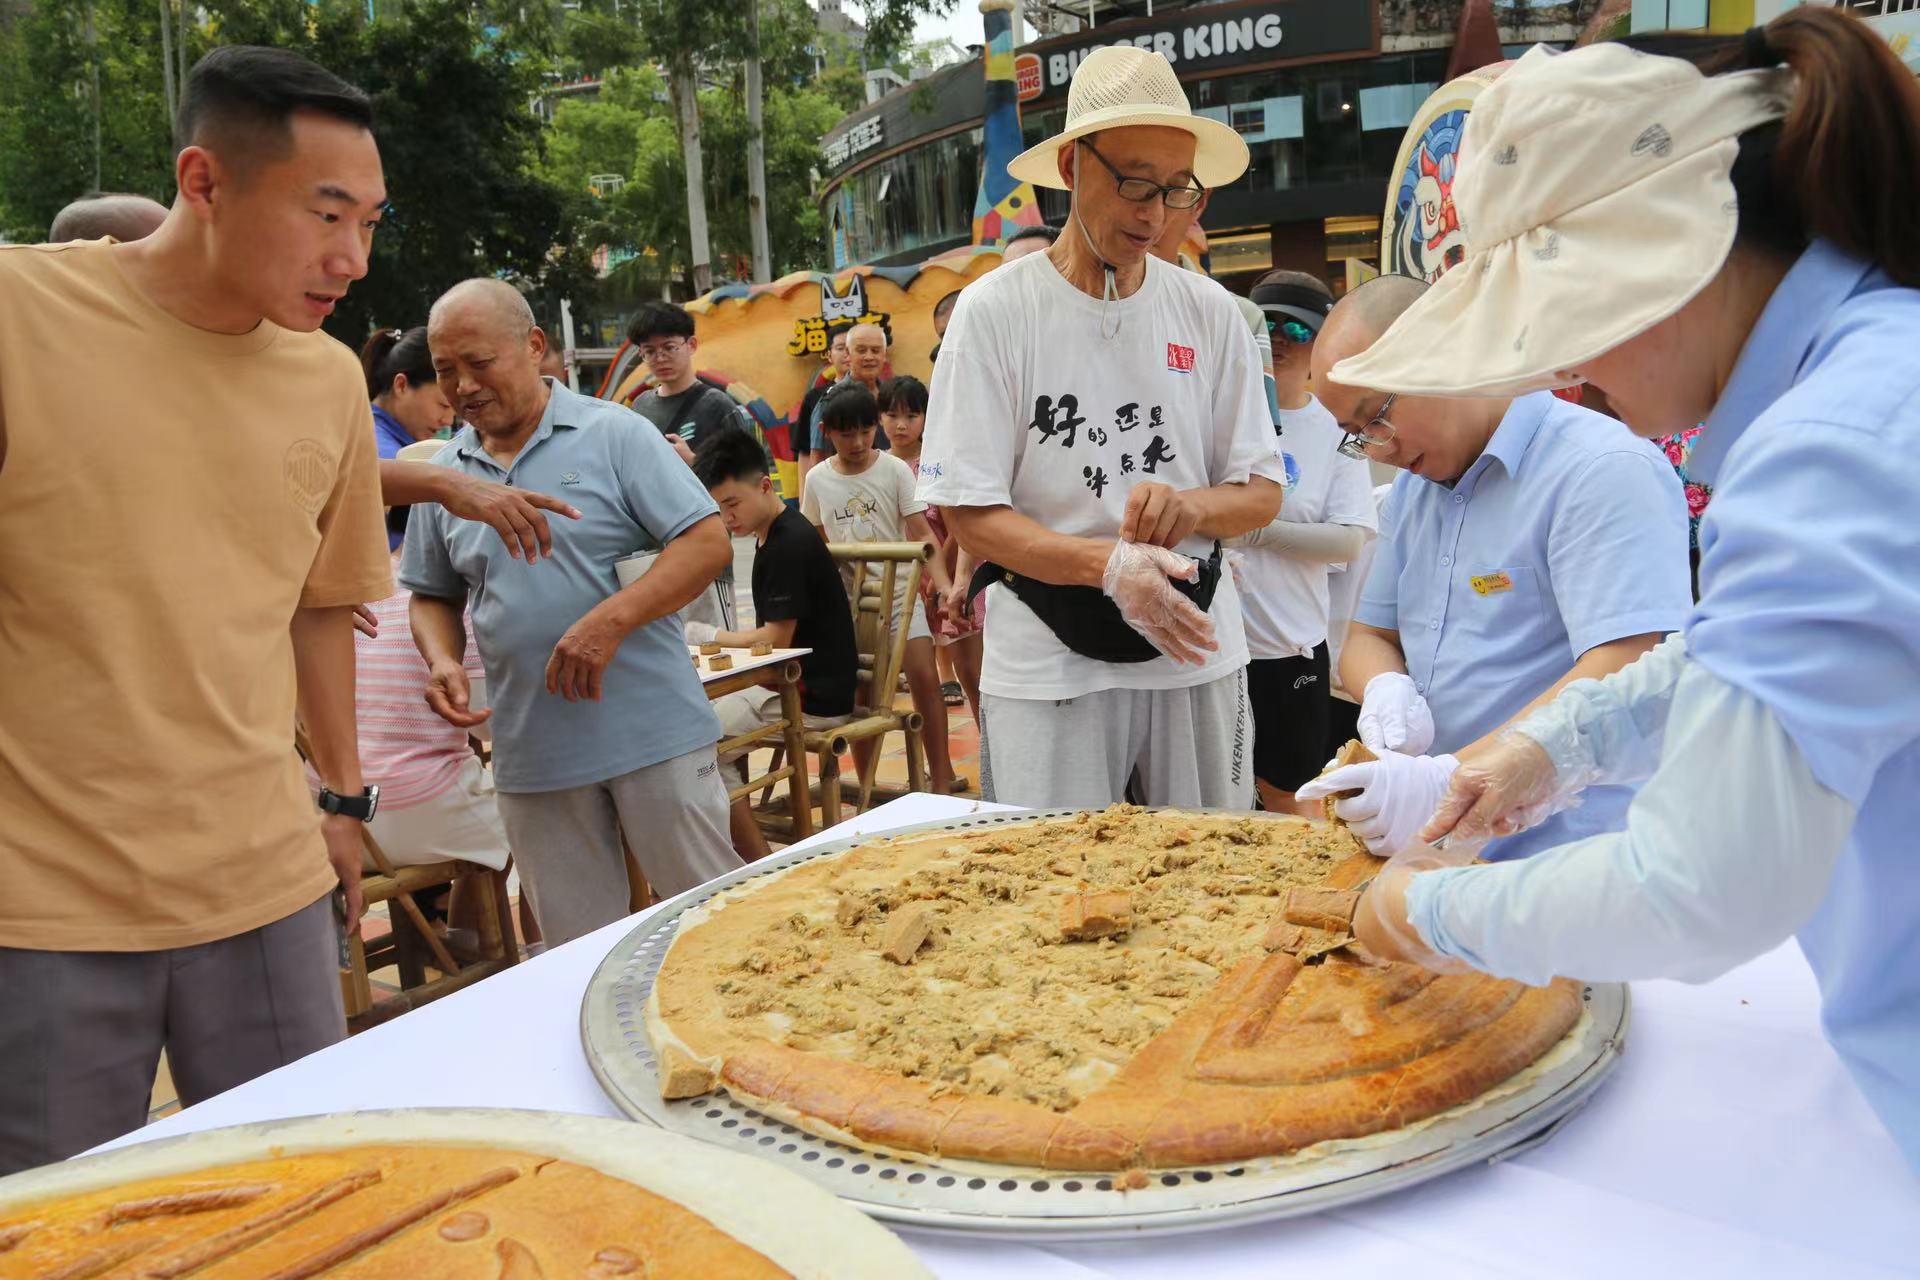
(361, 806)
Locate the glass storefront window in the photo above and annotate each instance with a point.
(1235, 252)
(1322, 125)
(1304, 126)
(918, 198)
(1353, 237)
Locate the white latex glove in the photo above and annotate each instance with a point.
(1393, 715)
(1138, 581)
(1398, 794)
(701, 632)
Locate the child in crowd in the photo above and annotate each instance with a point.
(798, 600)
(863, 495)
(956, 637)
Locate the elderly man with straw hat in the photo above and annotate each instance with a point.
(1098, 425)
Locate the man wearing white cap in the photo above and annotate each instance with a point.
(1531, 543)
(1098, 425)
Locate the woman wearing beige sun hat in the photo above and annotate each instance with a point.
(1731, 236)
(1098, 424)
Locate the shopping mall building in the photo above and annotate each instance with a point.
(1322, 90)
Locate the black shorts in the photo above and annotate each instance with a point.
(1343, 724)
(1290, 708)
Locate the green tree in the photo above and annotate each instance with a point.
(628, 131)
(58, 138)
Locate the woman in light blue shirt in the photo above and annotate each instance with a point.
(1733, 237)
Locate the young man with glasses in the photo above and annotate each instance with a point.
(1097, 426)
(1531, 543)
(687, 410)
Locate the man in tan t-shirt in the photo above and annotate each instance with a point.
(189, 509)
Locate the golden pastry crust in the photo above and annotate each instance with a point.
(1355, 752)
(1219, 1026)
(374, 1213)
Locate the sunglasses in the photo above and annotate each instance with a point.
(1291, 330)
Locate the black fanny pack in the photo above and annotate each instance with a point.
(1085, 619)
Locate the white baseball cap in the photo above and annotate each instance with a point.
(1120, 85)
(1596, 193)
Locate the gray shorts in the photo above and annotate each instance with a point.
(1187, 747)
(567, 843)
(81, 1031)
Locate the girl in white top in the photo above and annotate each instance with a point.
(863, 495)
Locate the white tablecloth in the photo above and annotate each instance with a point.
(1729, 1141)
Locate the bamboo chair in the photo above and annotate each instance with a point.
(411, 943)
(879, 571)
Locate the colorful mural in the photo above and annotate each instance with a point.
(1002, 205)
(747, 335)
(1420, 232)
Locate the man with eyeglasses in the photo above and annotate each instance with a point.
(1097, 426)
(687, 410)
(600, 727)
(1531, 543)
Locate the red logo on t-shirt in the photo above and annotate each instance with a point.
(1179, 358)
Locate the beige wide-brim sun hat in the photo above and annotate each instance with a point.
(420, 451)
(1118, 86)
(1596, 195)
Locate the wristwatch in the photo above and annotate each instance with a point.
(361, 806)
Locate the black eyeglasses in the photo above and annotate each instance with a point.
(1376, 433)
(1141, 190)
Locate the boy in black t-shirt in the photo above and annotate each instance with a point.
(798, 599)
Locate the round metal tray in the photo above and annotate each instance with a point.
(974, 1199)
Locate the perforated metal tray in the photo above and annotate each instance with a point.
(973, 1199)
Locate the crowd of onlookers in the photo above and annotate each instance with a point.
(506, 676)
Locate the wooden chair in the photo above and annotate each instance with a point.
(411, 943)
(880, 569)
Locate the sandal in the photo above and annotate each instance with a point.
(952, 694)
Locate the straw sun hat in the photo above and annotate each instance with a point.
(1118, 86)
(1596, 192)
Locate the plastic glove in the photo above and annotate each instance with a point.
(701, 632)
(1393, 715)
(1506, 786)
(1380, 920)
(1236, 563)
(1398, 794)
(1137, 581)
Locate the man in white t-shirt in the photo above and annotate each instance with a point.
(1326, 519)
(1098, 423)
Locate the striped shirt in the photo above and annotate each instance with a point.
(406, 749)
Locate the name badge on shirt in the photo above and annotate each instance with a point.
(1489, 583)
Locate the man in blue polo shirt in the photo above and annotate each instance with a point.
(600, 724)
(1530, 544)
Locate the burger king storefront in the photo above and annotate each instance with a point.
(1321, 97)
